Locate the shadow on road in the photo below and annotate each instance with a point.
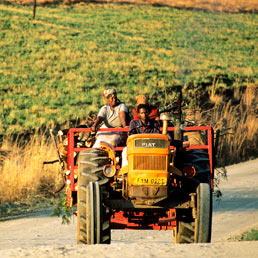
(240, 200)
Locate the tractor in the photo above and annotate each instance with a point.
(167, 184)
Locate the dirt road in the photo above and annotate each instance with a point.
(44, 236)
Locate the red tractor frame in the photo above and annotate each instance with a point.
(133, 220)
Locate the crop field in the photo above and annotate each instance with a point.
(54, 68)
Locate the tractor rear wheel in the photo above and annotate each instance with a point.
(93, 218)
(198, 229)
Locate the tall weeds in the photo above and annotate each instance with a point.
(22, 171)
(237, 121)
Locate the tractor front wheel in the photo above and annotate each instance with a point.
(196, 229)
(93, 217)
(98, 226)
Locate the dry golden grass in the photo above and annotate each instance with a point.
(22, 171)
(215, 5)
(238, 122)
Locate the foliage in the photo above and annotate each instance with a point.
(61, 209)
(22, 172)
(53, 69)
(237, 121)
(251, 235)
(219, 174)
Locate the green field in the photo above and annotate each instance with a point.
(54, 68)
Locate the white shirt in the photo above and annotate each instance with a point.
(111, 117)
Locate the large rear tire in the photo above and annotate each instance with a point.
(93, 218)
(198, 229)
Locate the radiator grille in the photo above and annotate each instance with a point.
(149, 162)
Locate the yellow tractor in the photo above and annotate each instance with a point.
(166, 185)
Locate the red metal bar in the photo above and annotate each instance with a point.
(210, 146)
(119, 221)
(187, 128)
(80, 149)
(70, 157)
(210, 151)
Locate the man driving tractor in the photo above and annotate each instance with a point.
(144, 124)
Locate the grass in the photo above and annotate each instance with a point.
(23, 175)
(26, 185)
(53, 69)
(237, 121)
(249, 235)
(252, 235)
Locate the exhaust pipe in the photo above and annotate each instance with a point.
(165, 118)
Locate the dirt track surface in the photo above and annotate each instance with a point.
(45, 236)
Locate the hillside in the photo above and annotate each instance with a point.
(53, 68)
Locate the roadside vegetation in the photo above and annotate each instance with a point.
(237, 120)
(251, 235)
(53, 70)
(22, 172)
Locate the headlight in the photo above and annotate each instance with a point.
(109, 170)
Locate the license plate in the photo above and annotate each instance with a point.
(151, 181)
